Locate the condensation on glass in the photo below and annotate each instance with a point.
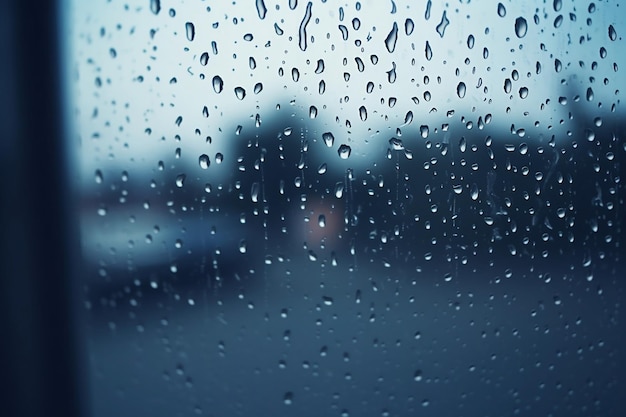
(363, 208)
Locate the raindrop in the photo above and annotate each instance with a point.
(218, 84)
(460, 89)
(258, 87)
(521, 27)
(612, 33)
(248, 37)
(501, 10)
(359, 64)
(261, 9)
(409, 26)
(424, 131)
(293, 4)
(392, 38)
(240, 93)
(339, 190)
(408, 118)
(254, 192)
(98, 177)
(507, 85)
(312, 112)
(295, 74)
(155, 6)
(557, 4)
(396, 144)
(523, 92)
(344, 32)
(180, 180)
(320, 66)
(288, 397)
(363, 113)
(190, 30)
(470, 41)
(204, 58)
(243, 246)
(302, 30)
(219, 157)
(204, 161)
(589, 94)
(441, 27)
(329, 139)
(558, 21)
(474, 192)
(428, 51)
(344, 151)
(321, 220)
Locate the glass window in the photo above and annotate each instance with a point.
(359, 208)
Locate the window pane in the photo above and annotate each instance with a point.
(366, 208)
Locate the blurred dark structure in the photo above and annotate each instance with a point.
(40, 355)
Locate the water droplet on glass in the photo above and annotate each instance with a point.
(441, 27)
(240, 93)
(612, 33)
(302, 35)
(261, 9)
(460, 89)
(321, 220)
(218, 84)
(180, 180)
(363, 113)
(428, 51)
(501, 10)
(329, 139)
(204, 161)
(344, 151)
(424, 131)
(392, 38)
(521, 27)
(320, 66)
(288, 397)
(396, 144)
(470, 41)
(190, 31)
(248, 37)
(243, 246)
(219, 158)
(312, 112)
(155, 6)
(474, 192)
(523, 92)
(339, 190)
(408, 26)
(204, 58)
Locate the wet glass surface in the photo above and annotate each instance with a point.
(353, 209)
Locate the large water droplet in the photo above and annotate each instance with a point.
(155, 6)
(258, 87)
(363, 113)
(190, 31)
(441, 27)
(428, 51)
(218, 84)
(612, 33)
(302, 35)
(523, 92)
(344, 151)
(501, 10)
(261, 9)
(392, 38)
(180, 180)
(460, 89)
(204, 58)
(204, 161)
(240, 93)
(329, 139)
(408, 26)
(521, 27)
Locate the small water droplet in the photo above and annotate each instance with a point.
(204, 58)
(409, 26)
(396, 144)
(288, 398)
(428, 51)
(180, 180)
(470, 41)
(523, 92)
